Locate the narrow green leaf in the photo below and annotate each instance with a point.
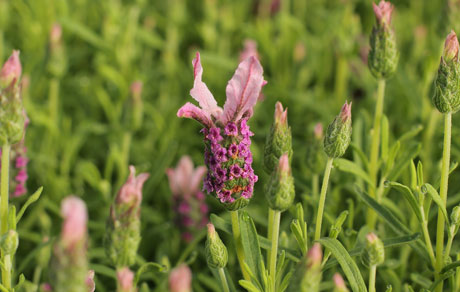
(348, 265)
(430, 190)
(248, 286)
(353, 168)
(408, 195)
(360, 154)
(441, 279)
(393, 222)
(251, 244)
(420, 173)
(32, 199)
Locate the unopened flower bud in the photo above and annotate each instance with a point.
(11, 112)
(455, 216)
(123, 226)
(69, 265)
(125, 280)
(338, 134)
(90, 281)
(11, 71)
(180, 279)
(447, 84)
(280, 189)
(216, 252)
(9, 242)
(374, 253)
(339, 283)
(279, 141)
(315, 155)
(383, 56)
(57, 63)
(307, 276)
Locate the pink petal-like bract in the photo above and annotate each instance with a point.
(73, 210)
(180, 279)
(131, 191)
(200, 91)
(191, 111)
(243, 90)
(125, 279)
(11, 70)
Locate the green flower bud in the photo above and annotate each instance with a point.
(280, 189)
(123, 235)
(315, 154)
(216, 252)
(338, 134)
(11, 111)
(455, 216)
(447, 84)
(339, 283)
(307, 275)
(374, 253)
(383, 56)
(9, 242)
(279, 141)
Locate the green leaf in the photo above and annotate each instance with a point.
(353, 168)
(408, 195)
(251, 245)
(249, 286)
(430, 190)
(389, 242)
(154, 267)
(221, 224)
(393, 222)
(32, 199)
(348, 265)
(450, 266)
(441, 279)
(385, 134)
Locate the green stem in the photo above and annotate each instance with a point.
(223, 279)
(450, 239)
(443, 195)
(4, 194)
(426, 235)
(322, 198)
(239, 244)
(374, 154)
(274, 247)
(314, 186)
(271, 213)
(372, 273)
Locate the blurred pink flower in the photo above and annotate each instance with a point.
(11, 70)
(180, 279)
(125, 278)
(131, 191)
(73, 210)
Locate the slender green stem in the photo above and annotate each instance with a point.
(274, 248)
(374, 154)
(322, 198)
(238, 244)
(270, 231)
(223, 279)
(450, 239)
(372, 273)
(457, 276)
(443, 195)
(4, 194)
(314, 185)
(426, 235)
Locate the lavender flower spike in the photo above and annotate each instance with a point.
(226, 133)
(188, 200)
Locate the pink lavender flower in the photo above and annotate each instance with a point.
(227, 128)
(188, 200)
(125, 279)
(19, 162)
(75, 217)
(131, 191)
(180, 279)
(383, 12)
(11, 70)
(90, 281)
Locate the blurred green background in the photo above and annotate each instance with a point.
(77, 95)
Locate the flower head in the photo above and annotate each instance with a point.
(383, 12)
(226, 132)
(188, 200)
(125, 278)
(180, 279)
(11, 70)
(451, 47)
(131, 191)
(75, 216)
